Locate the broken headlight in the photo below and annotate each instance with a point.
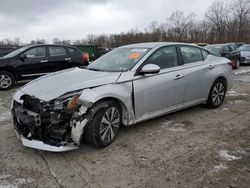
(67, 101)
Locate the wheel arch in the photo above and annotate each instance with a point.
(121, 94)
(10, 71)
(121, 105)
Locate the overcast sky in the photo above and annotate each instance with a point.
(75, 19)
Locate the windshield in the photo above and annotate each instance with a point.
(16, 52)
(244, 48)
(118, 60)
(216, 49)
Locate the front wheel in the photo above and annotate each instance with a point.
(217, 94)
(7, 80)
(105, 126)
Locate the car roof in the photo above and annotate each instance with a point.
(154, 44)
(35, 45)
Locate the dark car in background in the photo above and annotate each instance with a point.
(6, 50)
(245, 54)
(229, 51)
(32, 61)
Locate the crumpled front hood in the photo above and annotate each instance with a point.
(51, 86)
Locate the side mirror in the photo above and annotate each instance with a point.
(23, 57)
(150, 69)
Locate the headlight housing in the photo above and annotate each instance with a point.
(68, 101)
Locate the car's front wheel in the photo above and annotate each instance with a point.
(7, 80)
(105, 125)
(217, 93)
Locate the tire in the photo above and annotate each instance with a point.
(7, 80)
(237, 64)
(105, 126)
(217, 94)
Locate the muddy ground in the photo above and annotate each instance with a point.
(197, 147)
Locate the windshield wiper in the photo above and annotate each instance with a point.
(93, 69)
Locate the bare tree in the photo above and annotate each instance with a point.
(179, 25)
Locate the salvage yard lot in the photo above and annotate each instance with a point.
(197, 147)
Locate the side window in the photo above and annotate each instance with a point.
(35, 52)
(56, 51)
(71, 50)
(232, 48)
(165, 57)
(204, 54)
(226, 49)
(191, 54)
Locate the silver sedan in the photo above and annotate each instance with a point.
(128, 85)
(245, 54)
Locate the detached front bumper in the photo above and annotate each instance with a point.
(36, 144)
(39, 131)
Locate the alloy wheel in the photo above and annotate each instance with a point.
(218, 94)
(110, 124)
(5, 81)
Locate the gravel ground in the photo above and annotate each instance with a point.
(196, 147)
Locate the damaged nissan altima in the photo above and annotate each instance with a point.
(128, 85)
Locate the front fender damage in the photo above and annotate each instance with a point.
(81, 119)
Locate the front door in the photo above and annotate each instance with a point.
(154, 94)
(35, 64)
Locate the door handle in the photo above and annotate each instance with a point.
(44, 61)
(178, 77)
(67, 59)
(211, 67)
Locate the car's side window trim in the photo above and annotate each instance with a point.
(181, 56)
(39, 57)
(66, 52)
(140, 67)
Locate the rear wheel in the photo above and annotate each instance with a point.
(217, 94)
(105, 126)
(7, 80)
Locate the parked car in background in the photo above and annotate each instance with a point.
(229, 51)
(128, 85)
(238, 44)
(32, 61)
(6, 50)
(201, 44)
(245, 54)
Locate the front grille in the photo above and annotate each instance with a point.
(36, 120)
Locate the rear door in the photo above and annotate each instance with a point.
(58, 58)
(197, 74)
(76, 57)
(154, 94)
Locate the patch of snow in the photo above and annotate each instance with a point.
(226, 109)
(218, 168)
(236, 102)
(7, 181)
(242, 72)
(177, 129)
(235, 94)
(5, 116)
(228, 157)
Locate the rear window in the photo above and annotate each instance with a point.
(57, 51)
(191, 54)
(216, 49)
(71, 50)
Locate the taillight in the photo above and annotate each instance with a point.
(85, 57)
(232, 64)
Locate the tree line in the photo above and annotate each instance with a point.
(223, 22)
